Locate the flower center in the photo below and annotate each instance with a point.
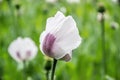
(48, 44)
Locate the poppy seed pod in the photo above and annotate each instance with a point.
(17, 6)
(101, 8)
(22, 49)
(60, 37)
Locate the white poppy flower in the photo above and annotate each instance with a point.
(60, 37)
(73, 1)
(22, 49)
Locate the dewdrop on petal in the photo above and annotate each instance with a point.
(22, 49)
(60, 37)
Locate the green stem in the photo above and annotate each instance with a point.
(14, 20)
(117, 55)
(53, 69)
(24, 71)
(117, 66)
(103, 46)
(47, 75)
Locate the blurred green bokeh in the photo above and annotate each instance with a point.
(27, 18)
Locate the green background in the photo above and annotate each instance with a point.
(27, 18)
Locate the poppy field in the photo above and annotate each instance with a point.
(59, 39)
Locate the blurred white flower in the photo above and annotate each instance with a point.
(29, 78)
(1, 0)
(109, 77)
(100, 16)
(60, 37)
(73, 1)
(22, 49)
(63, 10)
(51, 1)
(114, 25)
(115, 1)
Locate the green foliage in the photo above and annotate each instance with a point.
(27, 18)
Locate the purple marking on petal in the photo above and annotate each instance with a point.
(48, 44)
(18, 55)
(28, 53)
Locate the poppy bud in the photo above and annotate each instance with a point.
(48, 65)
